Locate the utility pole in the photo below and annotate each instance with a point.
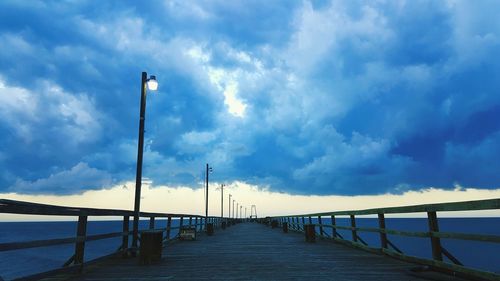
(209, 169)
(222, 201)
(229, 209)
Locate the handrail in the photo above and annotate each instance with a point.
(29, 208)
(76, 261)
(476, 205)
(433, 233)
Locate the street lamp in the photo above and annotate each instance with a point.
(237, 210)
(222, 201)
(233, 209)
(208, 170)
(229, 209)
(151, 84)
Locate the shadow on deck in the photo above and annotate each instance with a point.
(251, 251)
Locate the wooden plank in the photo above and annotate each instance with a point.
(28, 208)
(435, 241)
(125, 229)
(383, 235)
(80, 245)
(36, 243)
(476, 205)
(353, 229)
(250, 251)
(467, 236)
(469, 272)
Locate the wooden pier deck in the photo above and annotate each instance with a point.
(251, 251)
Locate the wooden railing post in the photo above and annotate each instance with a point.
(334, 229)
(195, 223)
(181, 222)
(383, 235)
(303, 223)
(353, 225)
(190, 221)
(152, 223)
(437, 253)
(320, 226)
(125, 228)
(169, 227)
(81, 232)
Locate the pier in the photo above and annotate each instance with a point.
(270, 248)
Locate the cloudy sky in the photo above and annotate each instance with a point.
(301, 97)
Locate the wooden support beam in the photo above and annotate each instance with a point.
(334, 229)
(169, 228)
(152, 223)
(435, 241)
(383, 235)
(81, 231)
(353, 230)
(125, 228)
(320, 226)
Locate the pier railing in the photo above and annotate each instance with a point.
(452, 264)
(76, 261)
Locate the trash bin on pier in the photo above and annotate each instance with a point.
(151, 246)
(210, 229)
(274, 223)
(310, 232)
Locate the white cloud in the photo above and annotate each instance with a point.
(187, 10)
(235, 106)
(70, 181)
(74, 115)
(195, 142)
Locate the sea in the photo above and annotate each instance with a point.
(19, 263)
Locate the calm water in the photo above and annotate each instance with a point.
(25, 262)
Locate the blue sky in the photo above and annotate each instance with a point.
(341, 97)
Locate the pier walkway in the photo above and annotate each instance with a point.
(252, 251)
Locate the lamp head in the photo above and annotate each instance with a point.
(152, 83)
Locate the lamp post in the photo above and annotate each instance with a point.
(208, 170)
(245, 212)
(237, 210)
(152, 85)
(222, 201)
(241, 207)
(229, 209)
(233, 209)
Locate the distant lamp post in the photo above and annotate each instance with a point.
(150, 84)
(237, 210)
(222, 201)
(233, 209)
(208, 170)
(229, 209)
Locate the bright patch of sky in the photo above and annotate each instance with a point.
(305, 97)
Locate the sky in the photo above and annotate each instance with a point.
(340, 98)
